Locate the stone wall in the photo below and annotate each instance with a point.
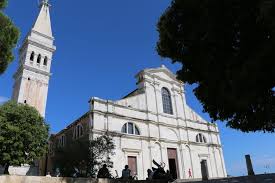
(264, 178)
(36, 179)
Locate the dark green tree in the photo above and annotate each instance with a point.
(23, 135)
(74, 154)
(100, 151)
(226, 48)
(9, 35)
(85, 155)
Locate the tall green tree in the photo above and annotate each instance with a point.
(84, 154)
(100, 151)
(23, 134)
(227, 49)
(9, 35)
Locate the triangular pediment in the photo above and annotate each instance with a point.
(162, 72)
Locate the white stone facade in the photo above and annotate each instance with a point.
(155, 134)
(159, 131)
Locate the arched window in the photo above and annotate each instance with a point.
(200, 138)
(166, 101)
(62, 141)
(50, 148)
(32, 56)
(45, 61)
(130, 128)
(38, 59)
(78, 132)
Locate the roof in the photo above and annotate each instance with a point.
(43, 21)
(133, 93)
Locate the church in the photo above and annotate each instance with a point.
(153, 122)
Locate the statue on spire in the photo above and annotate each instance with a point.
(44, 3)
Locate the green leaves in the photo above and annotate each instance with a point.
(9, 35)
(101, 148)
(23, 134)
(3, 3)
(87, 155)
(226, 48)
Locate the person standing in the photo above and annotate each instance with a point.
(104, 172)
(126, 172)
(190, 173)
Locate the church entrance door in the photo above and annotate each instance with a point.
(132, 163)
(173, 162)
(204, 170)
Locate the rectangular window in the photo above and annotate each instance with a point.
(130, 128)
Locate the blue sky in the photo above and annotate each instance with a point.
(101, 45)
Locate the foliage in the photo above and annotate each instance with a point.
(74, 154)
(9, 35)
(226, 48)
(23, 134)
(101, 148)
(85, 155)
(3, 4)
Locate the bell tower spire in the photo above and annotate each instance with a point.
(43, 21)
(35, 58)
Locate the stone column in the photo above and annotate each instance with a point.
(249, 166)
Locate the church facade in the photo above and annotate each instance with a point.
(151, 123)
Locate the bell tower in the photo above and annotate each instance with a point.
(35, 58)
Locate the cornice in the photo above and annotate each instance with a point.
(45, 73)
(149, 112)
(132, 150)
(35, 42)
(43, 35)
(161, 140)
(175, 82)
(127, 118)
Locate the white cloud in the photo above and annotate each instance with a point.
(3, 99)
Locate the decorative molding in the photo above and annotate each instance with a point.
(131, 150)
(127, 118)
(148, 112)
(43, 35)
(204, 155)
(37, 70)
(35, 42)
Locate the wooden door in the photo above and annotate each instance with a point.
(132, 163)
